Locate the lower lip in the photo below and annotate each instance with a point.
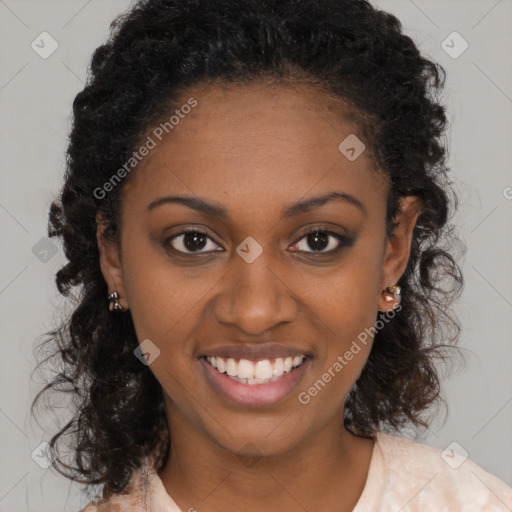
(254, 395)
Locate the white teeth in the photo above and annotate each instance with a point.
(257, 381)
(221, 364)
(231, 367)
(262, 369)
(246, 370)
(297, 360)
(278, 368)
(255, 372)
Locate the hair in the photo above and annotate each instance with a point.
(345, 48)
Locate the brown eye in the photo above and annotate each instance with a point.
(319, 240)
(190, 242)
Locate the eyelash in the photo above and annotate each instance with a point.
(343, 241)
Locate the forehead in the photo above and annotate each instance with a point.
(238, 142)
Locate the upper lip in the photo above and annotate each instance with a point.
(254, 352)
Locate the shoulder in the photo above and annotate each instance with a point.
(132, 498)
(117, 503)
(443, 479)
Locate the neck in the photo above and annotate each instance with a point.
(326, 471)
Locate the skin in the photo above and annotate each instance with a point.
(254, 149)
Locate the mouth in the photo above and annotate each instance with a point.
(254, 382)
(250, 372)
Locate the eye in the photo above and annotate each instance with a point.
(320, 239)
(190, 242)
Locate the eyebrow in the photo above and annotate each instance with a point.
(216, 210)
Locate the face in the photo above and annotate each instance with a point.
(269, 274)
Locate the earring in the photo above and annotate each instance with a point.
(114, 305)
(392, 295)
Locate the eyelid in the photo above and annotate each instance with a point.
(169, 239)
(343, 240)
(320, 227)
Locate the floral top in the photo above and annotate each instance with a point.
(404, 476)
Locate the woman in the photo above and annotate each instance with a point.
(255, 207)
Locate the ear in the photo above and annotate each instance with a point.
(110, 263)
(398, 246)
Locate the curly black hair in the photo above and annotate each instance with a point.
(155, 50)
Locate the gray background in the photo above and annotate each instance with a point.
(35, 101)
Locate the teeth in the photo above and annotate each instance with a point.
(263, 370)
(297, 360)
(221, 364)
(278, 368)
(255, 372)
(246, 370)
(231, 368)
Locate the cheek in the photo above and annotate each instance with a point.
(349, 298)
(161, 298)
(348, 306)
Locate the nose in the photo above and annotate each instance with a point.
(255, 297)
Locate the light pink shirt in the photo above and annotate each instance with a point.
(404, 476)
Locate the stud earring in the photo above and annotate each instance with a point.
(113, 300)
(392, 296)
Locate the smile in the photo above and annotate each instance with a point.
(257, 383)
(255, 372)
